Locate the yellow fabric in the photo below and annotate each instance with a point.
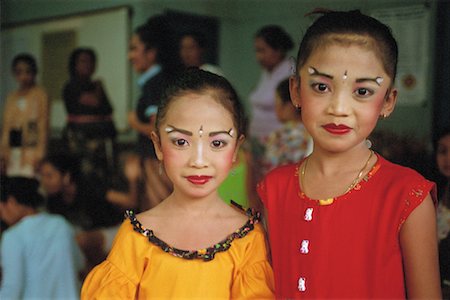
(137, 269)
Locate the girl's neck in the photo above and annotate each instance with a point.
(24, 89)
(179, 203)
(329, 163)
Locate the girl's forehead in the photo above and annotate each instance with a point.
(346, 40)
(349, 58)
(193, 108)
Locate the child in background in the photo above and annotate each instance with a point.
(291, 142)
(25, 121)
(443, 164)
(39, 256)
(344, 222)
(191, 245)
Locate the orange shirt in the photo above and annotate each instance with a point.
(139, 269)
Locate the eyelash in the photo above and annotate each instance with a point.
(221, 145)
(316, 86)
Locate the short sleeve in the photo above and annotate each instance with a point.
(118, 276)
(106, 281)
(417, 191)
(254, 279)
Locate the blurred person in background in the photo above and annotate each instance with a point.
(192, 52)
(90, 132)
(25, 121)
(153, 54)
(443, 163)
(39, 256)
(272, 44)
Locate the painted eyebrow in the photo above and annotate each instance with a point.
(171, 128)
(377, 80)
(314, 72)
(213, 133)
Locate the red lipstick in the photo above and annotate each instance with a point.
(198, 179)
(337, 129)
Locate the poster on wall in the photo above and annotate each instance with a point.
(410, 26)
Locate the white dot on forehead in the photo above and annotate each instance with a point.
(168, 129)
(231, 132)
(311, 70)
(379, 80)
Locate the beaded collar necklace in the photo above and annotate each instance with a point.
(329, 201)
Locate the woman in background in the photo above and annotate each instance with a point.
(192, 50)
(271, 46)
(25, 121)
(90, 130)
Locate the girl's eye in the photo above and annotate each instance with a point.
(320, 87)
(363, 92)
(180, 142)
(218, 144)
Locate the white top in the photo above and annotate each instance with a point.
(262, 100)
(40, 259)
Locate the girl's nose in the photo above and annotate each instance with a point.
(199, 159)
(339, 104)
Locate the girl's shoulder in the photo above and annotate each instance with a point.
(398, 172)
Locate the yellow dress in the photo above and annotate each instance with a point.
(137, 268)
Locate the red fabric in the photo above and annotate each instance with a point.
(354, 249)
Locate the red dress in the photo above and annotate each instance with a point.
(348, 249)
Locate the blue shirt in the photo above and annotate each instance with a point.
(40, 259)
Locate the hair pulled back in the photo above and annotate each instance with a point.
(351, 24)
(194, 80)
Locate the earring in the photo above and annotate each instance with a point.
(383, 116)
(368, 143)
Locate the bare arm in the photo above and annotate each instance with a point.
(418, 240)
(136, 124)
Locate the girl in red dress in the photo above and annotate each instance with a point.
(344, 222)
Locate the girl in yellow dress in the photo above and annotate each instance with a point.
(191, 245)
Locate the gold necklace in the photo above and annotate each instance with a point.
(350, 187)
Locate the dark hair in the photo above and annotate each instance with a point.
(23, 189)
(198, 37)
(441, 134)
(283, 91)
(74, 59)
(275, 37)
(64, 163)
(199, 81)
(158, 33)
(338, 23)
(25, 58)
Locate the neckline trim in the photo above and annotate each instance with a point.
(332, 200)
(206, 254)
